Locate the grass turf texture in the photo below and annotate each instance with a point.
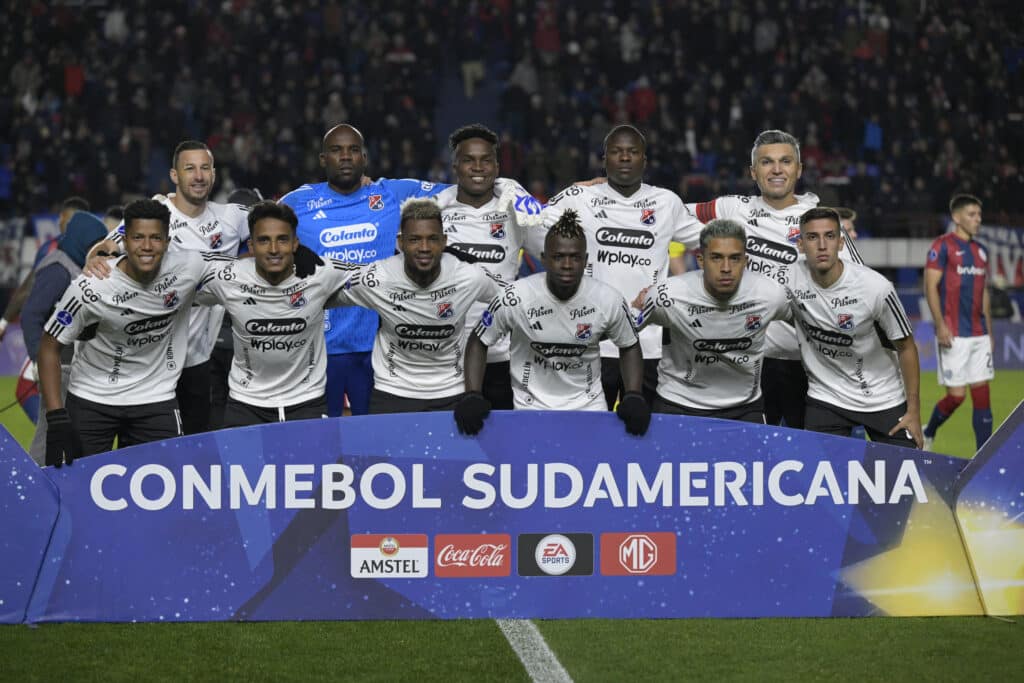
(765, 649)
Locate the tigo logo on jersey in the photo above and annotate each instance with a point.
(376, 202)
(753, 323)
(626, 554)
(297, 299)
(466, 555)
(556, 554)
(64, 318)
(647, 216)
(445, 310)
(498, 231)
(584, 331)
(387, 556)
(216, 241)
(171, 299)
(846, 321)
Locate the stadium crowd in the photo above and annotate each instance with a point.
(897, 104)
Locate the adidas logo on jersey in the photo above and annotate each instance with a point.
(319, 215)
(249, 301)
(601, 214)
(127, 311)
(536, 326)
(696, 323)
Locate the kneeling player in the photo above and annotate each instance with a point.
(279, 368)
(556, 320)
(716, 320)
(122, 381)
(842, 311)
(423, 296)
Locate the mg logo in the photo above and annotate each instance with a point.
(638, 553)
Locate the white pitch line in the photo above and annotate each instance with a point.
(540, 662)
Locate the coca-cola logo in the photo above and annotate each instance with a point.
(468, 555)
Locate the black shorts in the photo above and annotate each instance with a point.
(784, 390)
(97, 424)
(382, 403)
(239, 414)
(748, 412)
(611, 380)
(497, 386)
(830, 419)
(193, 393)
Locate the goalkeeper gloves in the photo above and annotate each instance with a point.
(470, 413)
(306, 261)
(634, 411)
(60, 438)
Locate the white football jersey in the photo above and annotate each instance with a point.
(839, 330)
(627, 240)
(555, 357)
(141, 337)
(492, 236)
(418, 350)
(715, 352)
(278, 334)
(772, 236)
(221, 229)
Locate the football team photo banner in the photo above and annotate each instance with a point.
(548, 515)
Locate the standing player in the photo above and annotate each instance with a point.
(628, 225)
(772, 220)
(480, 224)
(123, 380)
(197, 224)
(346, 220)
(278, 371)
(555, 320)
(716, 319)
(843, 311)
(954, 284)
(423, 297)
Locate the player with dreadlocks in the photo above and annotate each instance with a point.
(556, 320)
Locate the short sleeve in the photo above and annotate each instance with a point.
(74, 312)
(937, 255)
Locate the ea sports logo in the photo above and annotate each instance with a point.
(555, 554)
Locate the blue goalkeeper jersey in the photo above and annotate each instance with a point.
(359, 228)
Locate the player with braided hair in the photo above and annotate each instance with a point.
(556, 320)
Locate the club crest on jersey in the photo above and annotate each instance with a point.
(297, 299)
(647, 216)
(584, 331)
(753, 323)
(216, 241)
(846, 321)
(445, 310)
(171, 299)
(498, 231)
(376, 202)
(793, 235)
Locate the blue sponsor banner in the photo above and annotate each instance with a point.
(399, 517)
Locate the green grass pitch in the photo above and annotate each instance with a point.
(590, 650)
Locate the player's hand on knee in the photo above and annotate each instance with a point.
(306, 261)
(635, 412)
(912, 425)
(60, 438)
(470, 413)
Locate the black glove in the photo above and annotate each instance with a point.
(470, 412)
(634, 411)
(60, 438)
(306, 261)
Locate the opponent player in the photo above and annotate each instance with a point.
(555, 320)
(196, 224)
(423, 297)
(715, 319)
(346, 220)
(628, 225)
(123, 380)
(842, 311)
(954, 285)
(772, 220)
(479, 224)
(278, 371)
